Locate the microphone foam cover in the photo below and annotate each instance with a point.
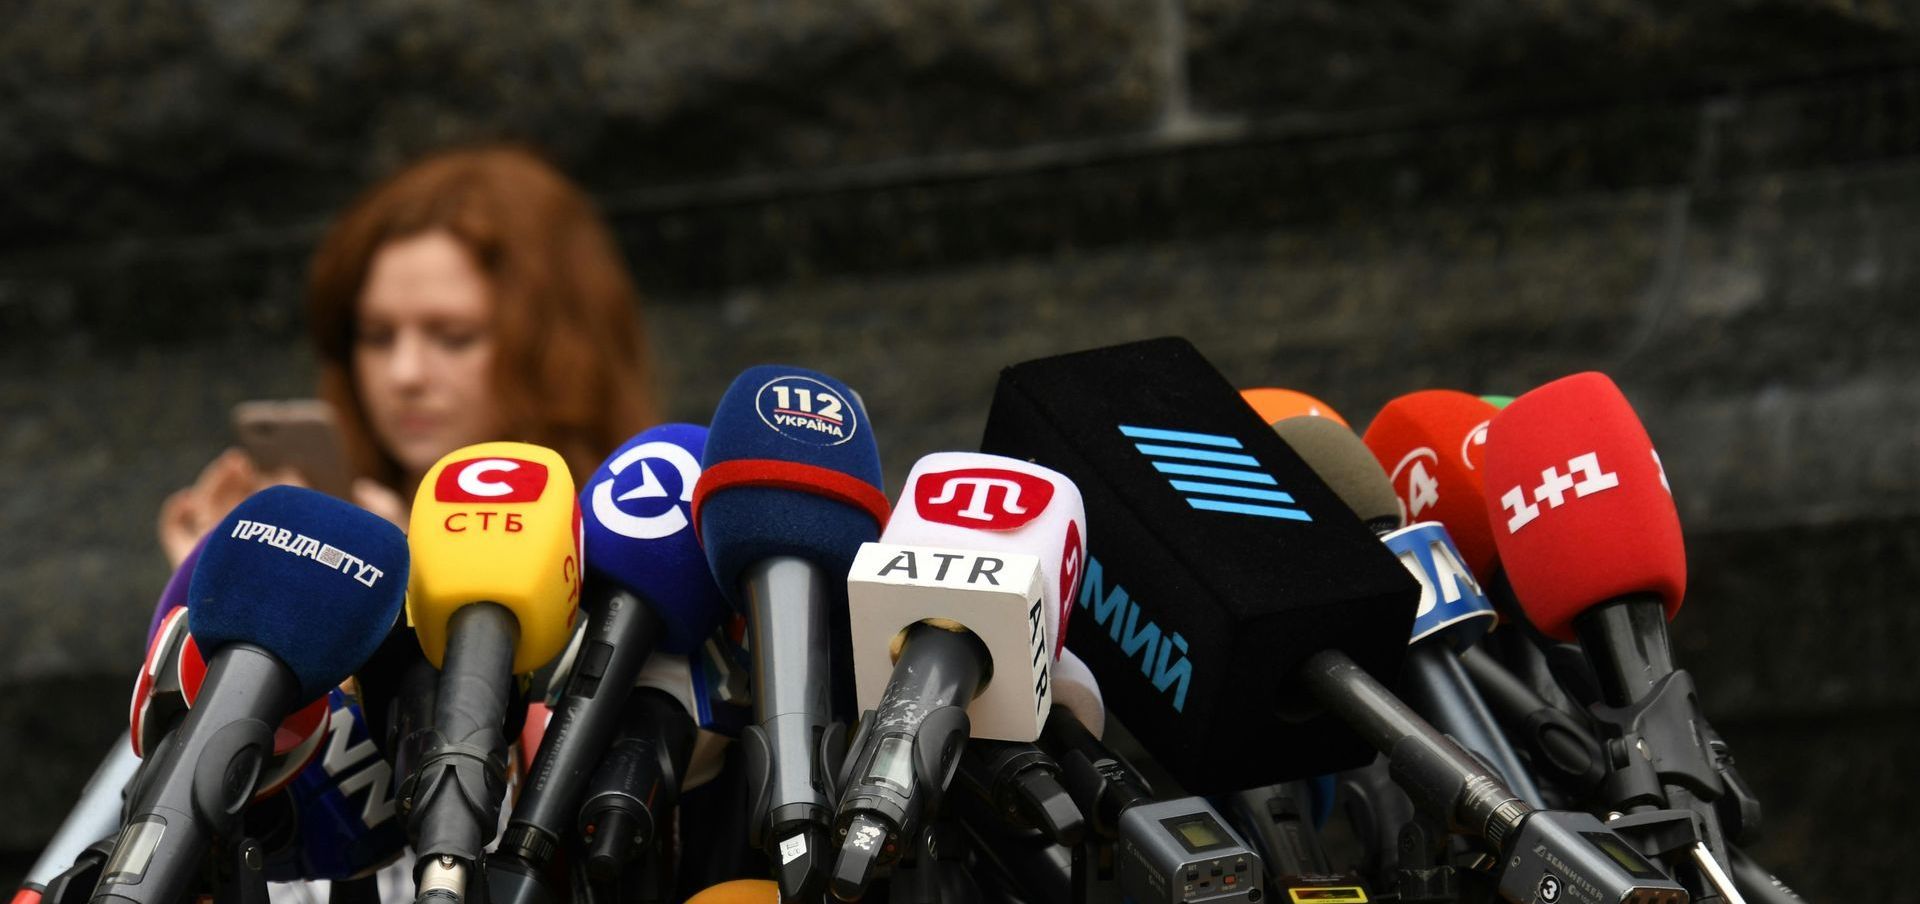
(991, 503)
(1074, 687)
(739, 891)
(1275, 405)
(1579, 503)
(790, 469)
(1345, 463)
(313, 580)
(1432, 444)
(497, 523)
(639, 535)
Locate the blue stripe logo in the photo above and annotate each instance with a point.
(1198, 468)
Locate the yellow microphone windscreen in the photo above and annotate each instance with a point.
(499, 523)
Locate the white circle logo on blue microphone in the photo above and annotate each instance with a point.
(639, 505)
(807, 410)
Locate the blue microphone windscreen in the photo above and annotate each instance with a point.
(315, 581)
(791, 469)
(637, 511)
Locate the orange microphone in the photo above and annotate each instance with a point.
(739, 891)
(1276, 405)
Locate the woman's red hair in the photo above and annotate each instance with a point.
(570, 365)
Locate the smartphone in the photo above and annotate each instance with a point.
(299, 434)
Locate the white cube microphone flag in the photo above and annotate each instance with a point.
(990, 543)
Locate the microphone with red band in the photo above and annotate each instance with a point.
(789, 490)
(1590, 540)
(788, 475)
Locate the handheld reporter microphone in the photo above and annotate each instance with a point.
(1452, 614)
(293, 591)
(790, 490)
(496, 540)
(955, 602)
(647, 585)
(1222, 562)
(1590, 539)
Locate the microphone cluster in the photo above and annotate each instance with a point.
(1150, 643)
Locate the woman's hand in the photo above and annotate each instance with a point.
(375, 497)
(190, 512)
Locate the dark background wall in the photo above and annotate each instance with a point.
(1718, 203)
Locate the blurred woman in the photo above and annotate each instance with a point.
(475, 295)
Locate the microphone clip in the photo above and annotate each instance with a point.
(1657, 742)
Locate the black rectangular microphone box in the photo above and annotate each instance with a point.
(1217, 562)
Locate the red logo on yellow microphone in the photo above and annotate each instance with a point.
(491, 480)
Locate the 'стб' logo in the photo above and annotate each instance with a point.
(491, 480)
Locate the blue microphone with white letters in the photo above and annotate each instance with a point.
(293, 592)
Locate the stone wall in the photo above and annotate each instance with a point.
(1718, 205)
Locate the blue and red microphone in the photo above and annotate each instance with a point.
(789, 491)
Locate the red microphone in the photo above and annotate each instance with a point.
(1579, 505)
(1590, 540)
(1432, 444)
